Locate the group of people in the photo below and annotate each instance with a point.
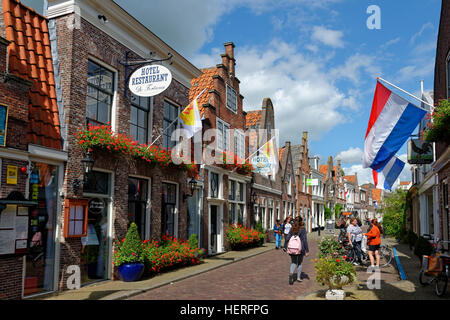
(288, 229)
(355, 234)
(296, 228)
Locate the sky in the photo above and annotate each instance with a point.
(316, 59)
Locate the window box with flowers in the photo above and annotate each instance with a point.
(101, 137)
(438, 129)
(237, 164)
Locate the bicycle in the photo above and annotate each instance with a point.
(440, 272)
(386, 254)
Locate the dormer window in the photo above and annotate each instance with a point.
(231, 99)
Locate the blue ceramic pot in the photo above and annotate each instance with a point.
(131, 271)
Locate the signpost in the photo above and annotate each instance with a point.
(420, 152)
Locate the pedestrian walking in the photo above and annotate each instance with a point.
(355, 235)
(278, 230)
(286, 228)
(374, 241)
(297, 247)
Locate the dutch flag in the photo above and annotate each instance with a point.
(387, 177)
(392, 120)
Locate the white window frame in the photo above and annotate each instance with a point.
(149, 121)
(237, 202)
(239, 147)
(220, 143)
(236, 100)
(178, 106)
(114, 98)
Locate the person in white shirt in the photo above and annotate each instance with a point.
(355, 235)
(287, 227)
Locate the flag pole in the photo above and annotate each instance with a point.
(379, 78)
(172, 123)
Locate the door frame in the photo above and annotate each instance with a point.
(220, 242)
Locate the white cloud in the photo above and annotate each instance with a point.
(390, 43)
(332, 38)
(352, 155)
(355, 66)
(426, 26)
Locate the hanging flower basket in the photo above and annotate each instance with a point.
(239, 165)
(438, 129)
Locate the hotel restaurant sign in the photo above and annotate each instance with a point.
(150, 80)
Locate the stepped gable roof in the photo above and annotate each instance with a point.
(376, 194)
(30, 58)
(205, 81)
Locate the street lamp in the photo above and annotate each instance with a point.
(88, 164)
(192, 186)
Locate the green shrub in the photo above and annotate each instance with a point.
(130, 249)
(193, 241)
(259, 227)
(329, 247)
(240, 237)
(327, 213)
(422, 247)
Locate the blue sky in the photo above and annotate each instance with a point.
(316, 59)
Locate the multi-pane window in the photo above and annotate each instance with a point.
(231, 99)
(214, 185)
(239, 144)
(100, 94)
(168, 208)
(223, 135)
(236, 202)
(140, 108)
(289, 184)
(170, 115)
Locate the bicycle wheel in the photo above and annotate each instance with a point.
(422, 278)
(385, 256)
(441, 284)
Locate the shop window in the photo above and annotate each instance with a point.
(170, 115)
(100, 94)
(76, 216)
(140, 107)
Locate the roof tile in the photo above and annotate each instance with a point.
(30, 58)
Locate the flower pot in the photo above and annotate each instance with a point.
(129, 272)
(335, 294)
(337, 283)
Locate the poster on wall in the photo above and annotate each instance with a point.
(11, 177)
(3, 125)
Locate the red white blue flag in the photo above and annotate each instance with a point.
(387, 177)
(391, 123)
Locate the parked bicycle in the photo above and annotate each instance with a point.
(437, 267)
(386, 254)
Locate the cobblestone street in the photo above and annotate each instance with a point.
(262, 277)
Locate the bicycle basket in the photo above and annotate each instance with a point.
(431, 264)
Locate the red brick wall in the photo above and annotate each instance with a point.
(74, 49)
(11, 277)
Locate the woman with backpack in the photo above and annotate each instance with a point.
(296, 246)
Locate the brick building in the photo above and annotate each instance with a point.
(91, 51)
(288, 182)
(334, 184)
(266, 188)
(300, 156)
(226, 191)
(31, 155)
(442, 91)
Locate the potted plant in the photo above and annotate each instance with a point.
(439, 128)
(333, 270)
(128, 256)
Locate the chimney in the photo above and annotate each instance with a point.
(229, 50)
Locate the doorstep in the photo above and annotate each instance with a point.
(117, 290)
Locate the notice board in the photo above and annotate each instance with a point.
(14, 230)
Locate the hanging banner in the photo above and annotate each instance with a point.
(150, 80)
(312, 182)
(261, 165)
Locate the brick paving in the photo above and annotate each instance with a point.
(263, 277)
